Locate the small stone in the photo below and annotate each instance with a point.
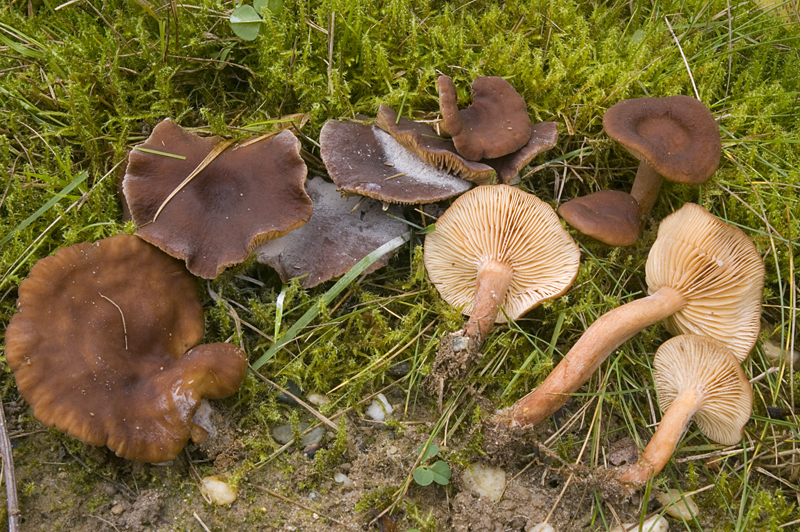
(318, 399)
(486, 481)
(541, 527)
(295, 390)
(399, 370)
(380, 408)
(283, 434)
(654, 524)
(218, 491)
(776, 354)
(117, 509)
(342, 479)
(677, 506)
(311, 450)
(314, 496)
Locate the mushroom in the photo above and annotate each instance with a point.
(105, 348)
(610, 216)
(703, 276)
(698, 378)
(242, 196)
(497, 246)
(363, 159)
(496, 124)
(341, 232)
(441, 152)
(675, 138)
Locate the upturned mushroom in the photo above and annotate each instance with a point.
(496, 124)
(675, 138)
(703, 276)
(497, 247)
(105, 348)
(697, 378)
(211, 202)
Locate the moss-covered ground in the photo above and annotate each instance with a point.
(82, 82)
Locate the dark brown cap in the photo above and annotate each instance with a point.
(677, 135)
(341, 232)
(251, 192)
(544, 136)
(496, 124)
(105, 348)
(610, 216)
(365, 160)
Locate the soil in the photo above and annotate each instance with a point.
(65, 485)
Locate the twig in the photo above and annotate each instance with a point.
(197, 518)
(685, 62)
(124, 327)
(302, 403)
(8, 474)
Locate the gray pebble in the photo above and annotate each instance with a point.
(283, 434)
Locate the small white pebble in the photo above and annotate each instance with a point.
(318, 399)
(219, 491)
(342, 479)
(380, 408)
(542, 527)
(776, 354)
(484, 480)
(654, 524)
(679, 508)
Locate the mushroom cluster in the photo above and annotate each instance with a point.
(675, 138)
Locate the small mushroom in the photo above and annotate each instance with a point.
(497, 246)
(105, 348)
(247, 194)
(364, 159)
(703, 276)
(341, 232)
(675, 138)
(435, 150)
(697, 378)
(496, 124)
(610, 216)
(440, 151)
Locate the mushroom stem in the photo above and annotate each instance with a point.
(494, 277)
(665, 439)
(607, 333)
(645, 187)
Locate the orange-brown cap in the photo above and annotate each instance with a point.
(719, 272)
(504, 224)
(610, 216)
(105, 348)
(700, 363)
(496, 124)
(249, 193)
(677, 135)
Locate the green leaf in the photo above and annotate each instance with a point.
(276, 6)
(441, 472)
(245, 23)
(432, 450)
(423, 475)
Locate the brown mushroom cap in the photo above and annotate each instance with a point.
(104, 347)
(697, 362)
(363, 159)
(719, 272)
(496, 124)
(610, 216)
(341, 232)
(677, 135)
(544, 136)
(501, 224)
(250, 193)
(433, 149)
